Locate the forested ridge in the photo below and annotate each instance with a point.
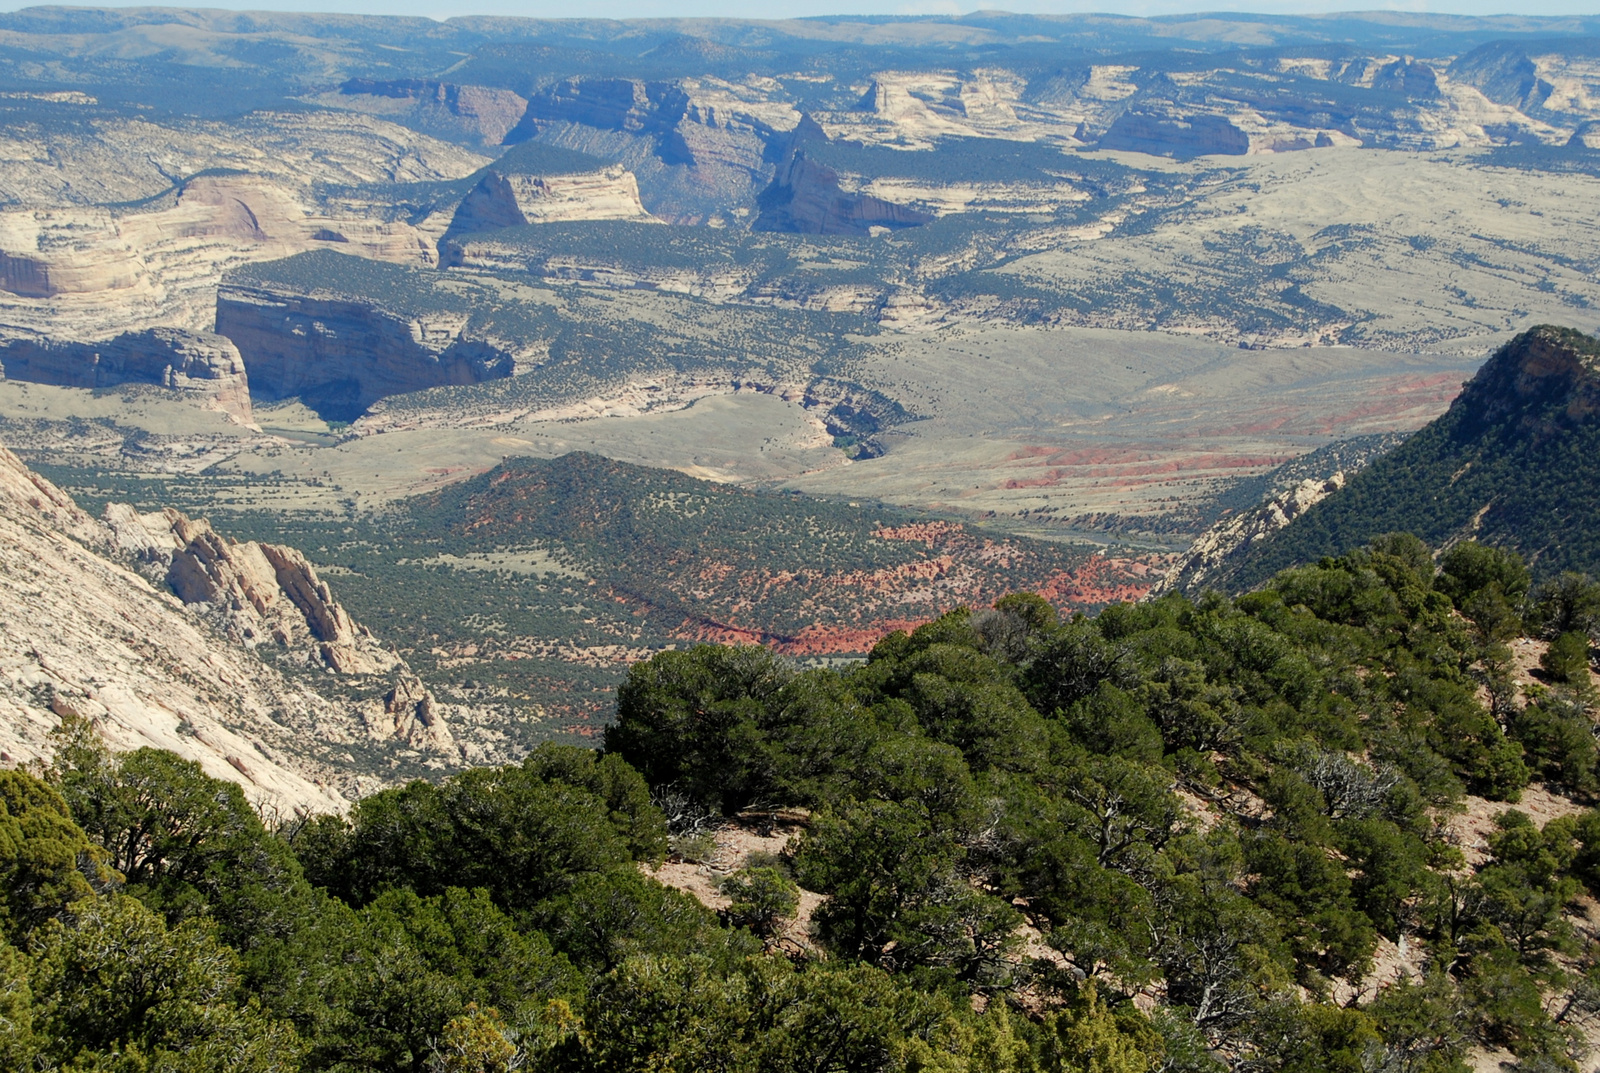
(1515, 461)
(1176, 836)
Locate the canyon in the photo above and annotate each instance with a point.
(1053, 278)
(339, 357)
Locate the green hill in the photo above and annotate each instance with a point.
(540, 580)
(705, 561)
(1514, 462)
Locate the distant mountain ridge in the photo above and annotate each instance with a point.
(1515, 461)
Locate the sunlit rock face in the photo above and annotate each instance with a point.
(511, 200)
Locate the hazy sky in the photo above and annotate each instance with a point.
(622, 9)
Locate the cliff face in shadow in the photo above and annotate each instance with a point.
(480, 113)
(341, 355)
(202, 365)
(805, 197)
(1176, 136)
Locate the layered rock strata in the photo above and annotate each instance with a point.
(88, 272)
(722, 284)
(260, 593)
(509, 200)
(619, 104)
(1179, 136)
(201, 365)
(478, 112)
(806, 197)
(340, 355)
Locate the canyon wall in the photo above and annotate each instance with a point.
(806, 197)
(1177, 136)
(200, 365)
(339, 355)
(480, 113)
(510, 200)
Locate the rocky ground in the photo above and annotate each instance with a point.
(234, 655)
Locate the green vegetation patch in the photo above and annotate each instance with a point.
(1515, 461)
(1170, 837)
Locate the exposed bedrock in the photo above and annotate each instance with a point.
(83, 635)
(701, 147)
(805, 197)
(1166, 135)
(1587, 136)
(509, 200)
(621, 104)
(202, 365)
(340, 356)
(270, 594)
(478, 111)
(732, 284)
(256, 592)
(1503, 72)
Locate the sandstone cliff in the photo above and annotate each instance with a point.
(1180, 136)
(511, 200)
(259, 591)
(701, 147)
(87, 272)
(341, 355)
(478, 113)
(620, 104)
(722, 283)
(806, 197)
(130, 223)
(201, 365)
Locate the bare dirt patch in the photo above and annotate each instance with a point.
(735, 842)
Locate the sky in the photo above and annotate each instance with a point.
(622, 9)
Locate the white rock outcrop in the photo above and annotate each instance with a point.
(511, 200)
(83, 635)
(1229, 540)
(85, 632)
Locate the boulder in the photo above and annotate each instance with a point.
(411, 714)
